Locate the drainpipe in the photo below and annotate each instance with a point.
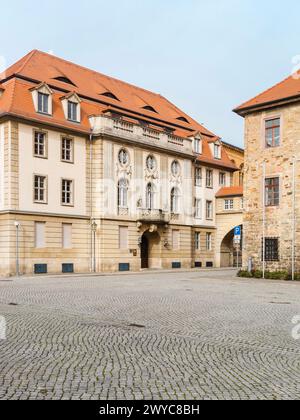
(294, 220)
(91, 202)
(264, 221)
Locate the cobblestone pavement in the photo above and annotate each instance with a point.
(196, 335)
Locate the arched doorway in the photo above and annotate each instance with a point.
(150, 250)
(231, 255)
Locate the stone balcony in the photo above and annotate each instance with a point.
(153, 216)
(137, 133)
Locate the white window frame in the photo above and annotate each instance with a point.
(40, 140)
(217, 151)
(65, 191)
(44, 109)
(222, 179)
(197, 241)
(72, 110)
(208, 241)
(198, 177)
(150, 196)
(39, 187)
(229, 204)
(209, 210)
(198, 208)
(65, 150)
(175, 195)
(123, 193)
(198, 146)
(209, 182)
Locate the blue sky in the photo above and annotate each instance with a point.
(207, 56)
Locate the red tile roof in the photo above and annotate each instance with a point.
(230, 192)
(288, 89)
(37, 67)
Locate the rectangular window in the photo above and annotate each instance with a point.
(209, 210)
(67, 235)
(67, 192)
(123, 237)
(40, 144)
(272, 192)
(222, 179)
(67, 149)
(176, 239)
(43, 103)
(209, 178)
(197, 146)
(217, 151)
(198, 208)
(198, 177)
(39, 234)
(208, 241)
(271, 249)
(40, 189)
(229, 205)
(197, 241)
(72, 111)
(272, 132)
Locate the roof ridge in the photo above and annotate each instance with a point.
(262, 93)
(98, 72)
(20, 64)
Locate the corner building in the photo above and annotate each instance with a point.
(99, 175)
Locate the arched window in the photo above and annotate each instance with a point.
(174, 201)
(123, 194)
(150, 196)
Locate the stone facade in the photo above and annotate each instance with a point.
(278, 162)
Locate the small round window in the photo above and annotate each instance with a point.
(175, 168)
(123, 157)
(151, 163)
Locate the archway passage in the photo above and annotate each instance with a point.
(151, 250)
(231, 255)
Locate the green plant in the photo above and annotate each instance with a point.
(244, 273)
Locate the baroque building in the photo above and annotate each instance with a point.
(271, 178)
(99, 175)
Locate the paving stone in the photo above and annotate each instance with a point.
(81, 338)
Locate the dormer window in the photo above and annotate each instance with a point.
(71, 107)
(198, 146)
(42, 99)
(217, 151)
(43, 103)
(72, 111)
